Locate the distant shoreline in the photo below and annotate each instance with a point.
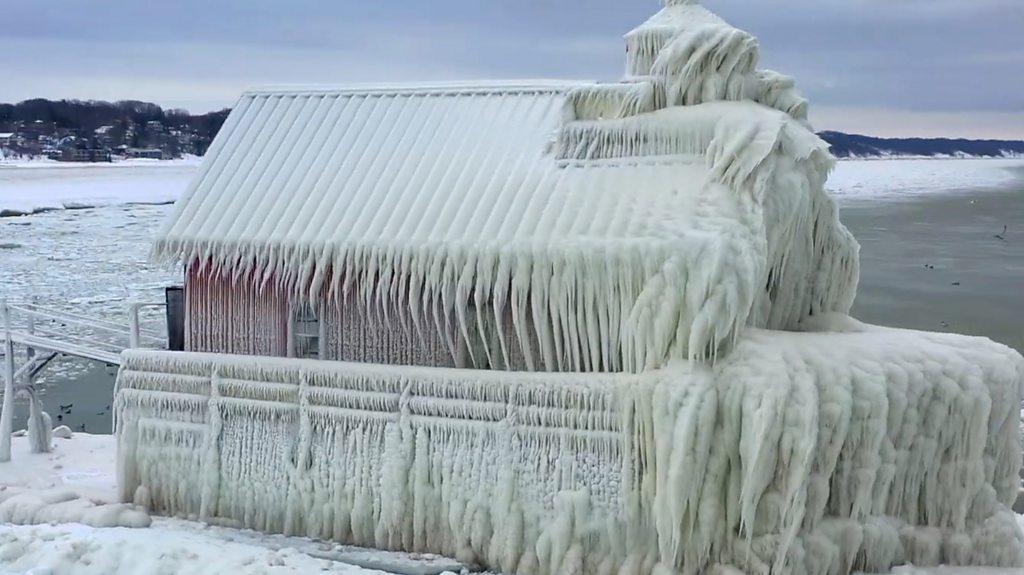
(43, 162)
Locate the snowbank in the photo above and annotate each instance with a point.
(66, 506)
(74, 483)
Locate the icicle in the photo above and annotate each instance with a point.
(847, 448)
(773, 459)
(610, 101)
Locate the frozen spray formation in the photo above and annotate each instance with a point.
(798, 453)
(655, 279)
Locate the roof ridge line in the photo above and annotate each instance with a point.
(487, 86)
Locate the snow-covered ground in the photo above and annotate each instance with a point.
(73, 548)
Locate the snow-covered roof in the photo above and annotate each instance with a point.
(637, 229)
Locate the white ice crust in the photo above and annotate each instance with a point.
(672, 229)
(811, 453)
(625, 226)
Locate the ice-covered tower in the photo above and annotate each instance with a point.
(689, 56)
(692, 89)
(556, 328)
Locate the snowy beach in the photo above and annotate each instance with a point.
(930, 260)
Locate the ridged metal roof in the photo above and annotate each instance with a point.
(437, 165)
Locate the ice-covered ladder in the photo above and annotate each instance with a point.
(46, 333)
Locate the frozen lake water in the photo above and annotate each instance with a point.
(41, 186)
(91, 261)
(907, 214)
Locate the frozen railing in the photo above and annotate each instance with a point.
(45, 333)
(62, 331)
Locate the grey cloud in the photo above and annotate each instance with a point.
(915, 56)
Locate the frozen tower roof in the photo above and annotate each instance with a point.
(692, 56)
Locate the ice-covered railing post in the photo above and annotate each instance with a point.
(135, 333)
(7, 415)
(133, 323)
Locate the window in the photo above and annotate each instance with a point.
(307, 338)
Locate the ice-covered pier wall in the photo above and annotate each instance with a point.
(798, 453)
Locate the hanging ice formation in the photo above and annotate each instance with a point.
(656, 269)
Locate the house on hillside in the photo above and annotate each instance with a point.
(560, 327)
(145, 153)
(87, 155)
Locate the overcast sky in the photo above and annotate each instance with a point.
(884, 67)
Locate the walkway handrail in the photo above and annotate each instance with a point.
(61, 315)
(59, 332)
(75, 338)
(92, 323)
(66, 347)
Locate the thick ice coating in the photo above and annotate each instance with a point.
(622, 226)
(660, 260)
(808, 453)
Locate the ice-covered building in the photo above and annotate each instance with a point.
(561, 328)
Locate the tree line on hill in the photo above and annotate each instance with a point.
(858, 146)
(48, 127)
(55, 128)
